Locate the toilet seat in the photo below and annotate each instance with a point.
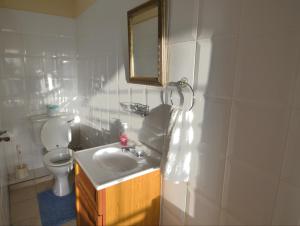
(59, 157)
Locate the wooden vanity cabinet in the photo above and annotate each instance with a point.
(133, 202)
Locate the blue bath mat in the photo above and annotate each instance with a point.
(55, 210)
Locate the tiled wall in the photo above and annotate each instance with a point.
(4, 202)
(246, 124)
(37, 67)
(242, 57)
(102, 51)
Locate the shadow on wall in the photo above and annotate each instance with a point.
(152, 133)
(155, 126)
(84, 136)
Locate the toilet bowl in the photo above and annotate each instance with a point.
(56, 136)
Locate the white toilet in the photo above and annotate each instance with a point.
(55, 137)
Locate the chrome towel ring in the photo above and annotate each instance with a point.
(183, 83)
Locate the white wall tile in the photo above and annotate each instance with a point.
(12, 87)
(1, 66)
(174, 203)
(32, 45)
(33, 66)
(8, 20)
(249, 194)
(258, 136)
(201, 211)
(287, 207)
(268, 65)
(1, 43)
(137, 95)
(228, 220)
(36, 85)
(290, 15)
(13, 66)
(183, 20)
(55, 25)
(69, 86)
(182, 61)
(168, 219)
(256, 17)
(29, 23)
(66, 46)
(155, 96)
(207, 175)
(12, 43)
(66, 67)
(215, 66)
(51, 66)
(291, 167)
(50, 45)
(34, 35)
(211, 124)
(297, 93)
(218, 18)
(269, 16)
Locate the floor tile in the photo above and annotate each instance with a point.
(24, 207)
(22, 211)
(35, 221)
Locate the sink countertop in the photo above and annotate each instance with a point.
(102, 178)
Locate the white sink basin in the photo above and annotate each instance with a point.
(108, 165)
(113, 159)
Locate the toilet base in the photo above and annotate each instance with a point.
(62, 186)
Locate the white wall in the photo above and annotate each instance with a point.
(4, 199)
(246, 124)
(37, 67)
(102, 51)
(242, 57)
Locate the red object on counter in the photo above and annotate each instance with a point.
(123, 140)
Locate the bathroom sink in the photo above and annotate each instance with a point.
(108, 165)
(113, 159)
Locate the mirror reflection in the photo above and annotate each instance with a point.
(146, 36)
(145, 42)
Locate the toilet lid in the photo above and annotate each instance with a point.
(56, 133)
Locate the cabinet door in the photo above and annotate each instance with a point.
(87, 187)
(135, 202)
(83, 217)
(86, 214)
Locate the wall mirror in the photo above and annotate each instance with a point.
(147, 37)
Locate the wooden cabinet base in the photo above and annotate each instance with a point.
(135, 202)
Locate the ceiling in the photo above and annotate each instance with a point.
(65, 8)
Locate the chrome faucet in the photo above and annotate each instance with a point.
(132, 150)
(128, 148)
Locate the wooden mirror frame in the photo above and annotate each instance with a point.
(161, 78)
